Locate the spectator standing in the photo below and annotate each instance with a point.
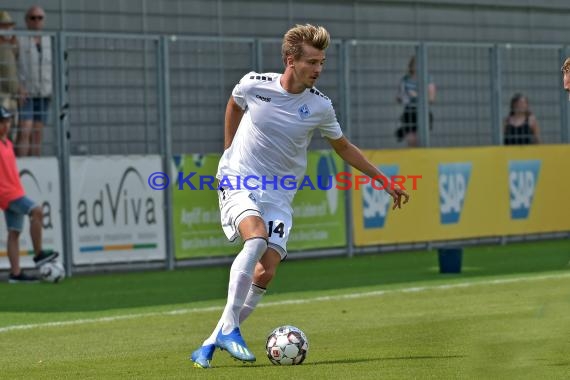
(35, 74)
(408, 96)
(9, 86)
(521, 126)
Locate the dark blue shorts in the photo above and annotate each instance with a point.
(35, 109)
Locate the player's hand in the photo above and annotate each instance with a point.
(398, 194)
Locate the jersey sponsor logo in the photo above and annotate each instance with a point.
(304, 111)
(523, 177)
(263, 98)
(375, 203)
(453, 184)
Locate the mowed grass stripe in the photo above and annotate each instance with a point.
(375, 293)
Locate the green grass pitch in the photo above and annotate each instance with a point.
(389, 316)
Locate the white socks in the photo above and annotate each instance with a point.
(241, 274)
(240, 282)
(253, 297)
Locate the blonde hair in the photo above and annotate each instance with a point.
(315, 36)
(566, 66)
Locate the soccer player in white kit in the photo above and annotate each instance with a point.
(269, 121)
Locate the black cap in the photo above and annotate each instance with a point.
(4, 113)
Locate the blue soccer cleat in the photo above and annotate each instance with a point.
(235, 345)
(203, 355)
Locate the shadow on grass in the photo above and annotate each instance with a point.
(349, 361)
(353, 361)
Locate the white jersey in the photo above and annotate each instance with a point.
(35, 66)
(274, 134)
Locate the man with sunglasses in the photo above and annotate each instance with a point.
(35, 71)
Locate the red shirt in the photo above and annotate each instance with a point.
(10, 185)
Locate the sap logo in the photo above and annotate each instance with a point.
(376, 203)
(453, 183)
(123, 208)
(263, 98)
(523, 177)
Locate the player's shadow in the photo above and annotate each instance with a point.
(382, 359)
(365, 360)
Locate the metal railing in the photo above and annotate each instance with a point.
(112, 83)
(166, 95)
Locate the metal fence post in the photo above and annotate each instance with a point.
(496, 83)
(258, 56)
(63, 154)
(163, 80)
(423, 95)
(345, 112)
(147, 125)
(564, 103)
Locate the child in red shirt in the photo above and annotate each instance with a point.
(16, 205)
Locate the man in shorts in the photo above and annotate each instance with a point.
(276, 115)
(35, 72)
(16, 205)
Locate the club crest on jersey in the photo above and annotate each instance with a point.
(304, 111)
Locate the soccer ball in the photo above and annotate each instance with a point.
(287, 345)
(52, 272)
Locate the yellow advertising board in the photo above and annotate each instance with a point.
(466, 193)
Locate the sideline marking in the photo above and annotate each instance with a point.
(374, 293)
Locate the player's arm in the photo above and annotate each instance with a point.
(354, 157)
(234, 113)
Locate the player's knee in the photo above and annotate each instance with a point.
(258, 245)
(13, 235)
(253, 227)
(36, 214)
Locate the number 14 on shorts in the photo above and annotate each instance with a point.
(279, 228)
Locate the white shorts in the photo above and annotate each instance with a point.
(236, 205)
